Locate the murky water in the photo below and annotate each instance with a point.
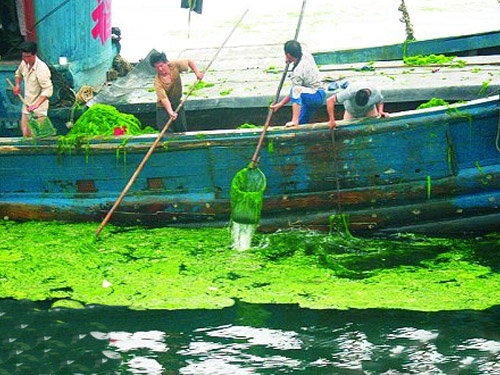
(246, 339)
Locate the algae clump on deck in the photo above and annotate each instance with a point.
(172, 268)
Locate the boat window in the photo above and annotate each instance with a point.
(12, 29)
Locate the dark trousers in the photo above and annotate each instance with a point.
(177, 126)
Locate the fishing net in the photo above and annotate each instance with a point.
(41, 129)
(247, 190)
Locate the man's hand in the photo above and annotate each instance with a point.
(276, 106)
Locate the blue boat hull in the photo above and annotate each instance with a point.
(434, 171)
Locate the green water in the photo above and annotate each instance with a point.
(172, 268)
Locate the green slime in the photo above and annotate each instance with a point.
(171, 268)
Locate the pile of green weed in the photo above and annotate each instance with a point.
(103, 120)
(434, 102)
(423, 60)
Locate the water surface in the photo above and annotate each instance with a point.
(246, 339)
(326, 24)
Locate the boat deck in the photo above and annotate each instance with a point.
(252, 80)
(248, 77)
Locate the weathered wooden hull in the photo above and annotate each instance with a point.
(429, 171)
(461, 45)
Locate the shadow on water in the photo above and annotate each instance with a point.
(358, 258)
(246, 339)
(487, 252)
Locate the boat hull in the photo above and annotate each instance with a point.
(434, 171)
(486, 43)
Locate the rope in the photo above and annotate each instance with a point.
(336, 162)
(340, 220)
(85, 94)
(497, 141)
(406, 20)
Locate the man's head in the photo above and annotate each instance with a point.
(159, 61)
(362, 97)
(28, 52)
(293, 51)
(157, 57)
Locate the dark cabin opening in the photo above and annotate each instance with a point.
(12, 29)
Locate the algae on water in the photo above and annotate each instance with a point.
(171, 268)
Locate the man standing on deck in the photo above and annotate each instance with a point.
(168, 88)
(307, 92)
(38, 87)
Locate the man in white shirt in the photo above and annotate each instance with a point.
(307, 92)
(38, 86)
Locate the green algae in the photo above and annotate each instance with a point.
(246, 125)
(200, 85)
(197, 86)
(103, 119)
(434, 102)
(273, 70)
(226, 92)
(174, 268)
(432, 59)
(247, 190)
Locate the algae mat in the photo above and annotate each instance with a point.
(168, 268)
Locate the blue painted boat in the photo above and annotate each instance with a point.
(434, 171)
(486, 43)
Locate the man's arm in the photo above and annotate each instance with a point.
(276, 106)
(380, 110)
(168, 107)
(195, 70)
(330, 109)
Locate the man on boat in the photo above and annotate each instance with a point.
(168, 87)
(307, 92)
(360, 99)
(38, 87)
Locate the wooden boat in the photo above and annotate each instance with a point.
(486, 43)
(434, 171)
(84, 53)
